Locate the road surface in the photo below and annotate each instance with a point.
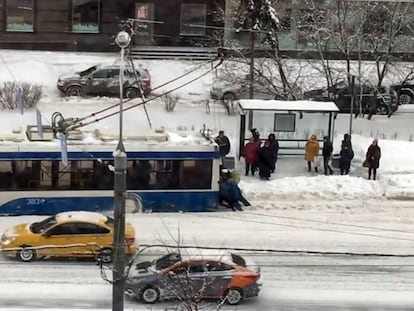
(290, 282)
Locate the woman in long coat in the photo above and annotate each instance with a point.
(312, 152)
(347, 154)
(372, 159)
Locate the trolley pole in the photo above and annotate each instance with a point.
(120, 163)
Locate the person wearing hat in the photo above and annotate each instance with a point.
(372, 159)
(312, 152)
(224, 144)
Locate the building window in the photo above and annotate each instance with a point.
(20, 15)
(284, 122)
(85, 16)
(193, 19)
(144, 12)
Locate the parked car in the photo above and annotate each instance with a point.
(230, 277)
(405, 90)
(231, 90)
(341, 94)
(69, 234)
(103, 80)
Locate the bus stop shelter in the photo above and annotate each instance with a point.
(292, 122)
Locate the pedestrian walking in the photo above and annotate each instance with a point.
(312, 152)
(372, 159)
(250, 154)
(327, 150)
(373, 103)
(347, 154)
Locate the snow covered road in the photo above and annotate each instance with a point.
(301, 281)
(291, 282)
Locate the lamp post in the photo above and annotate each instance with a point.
(120, 166)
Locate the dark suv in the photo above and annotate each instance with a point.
(405, 90)
(340, 93)
(103, 80)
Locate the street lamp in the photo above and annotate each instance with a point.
(120, 166)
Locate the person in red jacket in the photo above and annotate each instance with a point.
(250, 155)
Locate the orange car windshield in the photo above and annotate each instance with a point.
(39, 227)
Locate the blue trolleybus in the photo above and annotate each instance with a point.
(161, 176)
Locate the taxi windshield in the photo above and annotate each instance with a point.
(39, 227)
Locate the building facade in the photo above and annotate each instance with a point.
(90, 25)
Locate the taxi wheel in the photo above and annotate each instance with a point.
(233, 296)
(26, 254)
(150, 295)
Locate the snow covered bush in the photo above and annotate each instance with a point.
(12, 92)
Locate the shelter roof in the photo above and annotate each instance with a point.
(286, 105)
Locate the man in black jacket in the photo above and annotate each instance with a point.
(327, 153)
(224, 144)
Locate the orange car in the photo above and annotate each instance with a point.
(229, 277)
(69, 234)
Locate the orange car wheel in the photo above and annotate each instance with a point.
(26, 253)
(234, 296)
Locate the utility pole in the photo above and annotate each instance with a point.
(351, 113)
(251, 86)
(120, 163)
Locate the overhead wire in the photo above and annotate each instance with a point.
(306, 227)
(81, 124)
(327, 222)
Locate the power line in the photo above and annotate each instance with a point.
(77, 123)
(309, 228)
(328, 222)
(273, 250)
(80, 124)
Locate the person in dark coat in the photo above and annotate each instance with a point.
(265, 161)
(229, 193)
(224, 144)
(274, 146)
(372, 159)
(250, 155)
(347, 154)
(327, 150)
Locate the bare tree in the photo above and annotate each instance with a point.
(384, 26)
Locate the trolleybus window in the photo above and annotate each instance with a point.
(97, 175)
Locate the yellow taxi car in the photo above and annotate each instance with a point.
(69, 234)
